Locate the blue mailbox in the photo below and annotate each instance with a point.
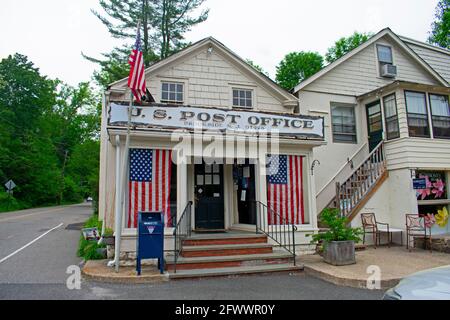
(150, 242)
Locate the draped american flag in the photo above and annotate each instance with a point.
(136, 79)
(149, 185)
(285, 189)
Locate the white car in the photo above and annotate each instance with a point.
(433, 284)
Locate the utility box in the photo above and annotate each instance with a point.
(150, 242)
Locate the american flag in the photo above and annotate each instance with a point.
(136, 79)
(285, 189)
(149, 185)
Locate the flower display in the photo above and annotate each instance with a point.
(430, 220)
(423, 193)
(442, 217)
(438, 190)
(435, 186)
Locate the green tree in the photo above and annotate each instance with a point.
(27, 153)
(163, 25)
(113, 66)
(440, 33)
(257, 67)
(43, 123)
(296, 67)
(345, 45)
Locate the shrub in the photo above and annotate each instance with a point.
(87, 249)
(12, 205)
(338, 228)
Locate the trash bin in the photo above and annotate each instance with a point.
(150, 242)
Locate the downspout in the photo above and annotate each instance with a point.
(104, 215)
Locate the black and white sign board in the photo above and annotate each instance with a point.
(10, 185)
(219, 119)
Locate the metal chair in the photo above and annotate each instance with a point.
(415, 227)
(372, 226)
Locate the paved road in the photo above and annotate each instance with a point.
(46, 260)
(39, 270)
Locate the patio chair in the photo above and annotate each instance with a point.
(372, 226)
(415, 227)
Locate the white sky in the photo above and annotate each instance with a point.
(53, 33)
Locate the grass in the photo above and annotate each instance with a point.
(88, 249)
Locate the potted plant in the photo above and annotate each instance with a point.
(339, 240)
(108, 237)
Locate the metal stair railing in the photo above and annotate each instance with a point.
(283, 233)
(183, 230)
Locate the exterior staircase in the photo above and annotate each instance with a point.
(226, 254)
(353, 194)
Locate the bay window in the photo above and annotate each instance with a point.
(440, 115)
(416, 106)
(391, 117)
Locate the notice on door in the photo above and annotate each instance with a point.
(244, 195)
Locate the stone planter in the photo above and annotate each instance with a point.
(339, 253)
(109, 240)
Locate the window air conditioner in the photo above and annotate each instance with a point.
(389, 71)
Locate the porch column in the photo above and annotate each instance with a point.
(261, 189)
(182, 188)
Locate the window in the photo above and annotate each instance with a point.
(343, 123)
(242, 98)
(416, 106)
(391, 117)
(172, 92)
(440, 115)
(384, 56)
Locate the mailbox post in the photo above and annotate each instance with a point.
(150, 242)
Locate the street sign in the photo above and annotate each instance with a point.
(10, 185)
(419, 184)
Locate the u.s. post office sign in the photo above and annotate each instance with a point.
(192, 118)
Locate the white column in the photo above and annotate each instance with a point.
(182, 188)
(310, 188)
(261, 188)
(117, 207)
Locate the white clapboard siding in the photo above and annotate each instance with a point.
(418, 153)
(359, 74)
(209, 80)
(438, 60)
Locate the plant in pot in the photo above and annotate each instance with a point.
(338, 242)
(108, 237)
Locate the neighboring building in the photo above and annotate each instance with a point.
(387, 119)
(207, 83)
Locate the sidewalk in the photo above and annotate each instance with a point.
(395, 263)
(99, 271)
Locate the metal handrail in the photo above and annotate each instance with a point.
(183, 230)
(349, 161)
(283, 234)
(325, 196)
(361, 181)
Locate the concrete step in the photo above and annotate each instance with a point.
(202, 240)
(214, 262)
(203, 273)
(226, 250)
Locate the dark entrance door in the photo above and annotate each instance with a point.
(374, 124)
(209, 197)
(244, 177)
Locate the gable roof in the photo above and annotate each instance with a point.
(289, 99)
(373, 39)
